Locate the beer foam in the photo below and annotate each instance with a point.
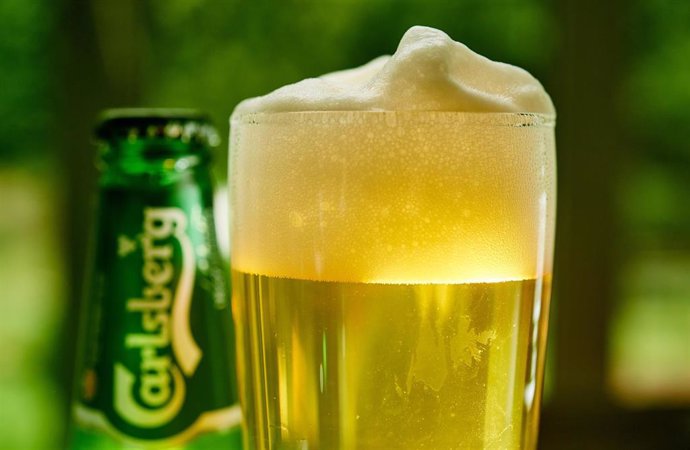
(393, 197)
(428, 72)
(434, 165)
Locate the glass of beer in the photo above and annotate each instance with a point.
(391, 277)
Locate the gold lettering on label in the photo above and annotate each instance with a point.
(164, 316)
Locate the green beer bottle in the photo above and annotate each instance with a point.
(156, 360)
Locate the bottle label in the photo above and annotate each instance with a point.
(158, 367)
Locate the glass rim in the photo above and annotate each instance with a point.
(419, 117)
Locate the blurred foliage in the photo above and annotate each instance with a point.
(656, 94)
(27, 79)
(31, 311)
(652, 330)
(654, 107)
(650, 342)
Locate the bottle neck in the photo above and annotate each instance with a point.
(159, 159)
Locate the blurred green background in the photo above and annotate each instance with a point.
(618, 71)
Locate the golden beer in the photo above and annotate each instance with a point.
(391, 276)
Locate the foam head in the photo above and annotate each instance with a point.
(428, 72)
(416, 167)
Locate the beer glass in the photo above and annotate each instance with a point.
(391, 277)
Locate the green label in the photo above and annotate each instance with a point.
(158, 367)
